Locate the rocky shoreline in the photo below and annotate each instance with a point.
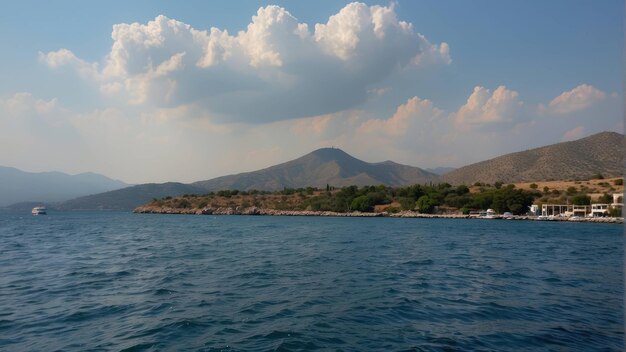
(402, 214)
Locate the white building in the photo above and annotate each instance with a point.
(567, 210)
(599, 210)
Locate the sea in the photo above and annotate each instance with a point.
(131, 282)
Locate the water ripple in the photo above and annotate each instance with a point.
(113, 281)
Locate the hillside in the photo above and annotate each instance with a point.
(127, 199)
(601, 153)
(442, 170)
(19, 186)
(317, 169)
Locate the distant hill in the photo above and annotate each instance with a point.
(129, 198)
(601, 153)
(442, 170)
(317, 169)
(19, 186)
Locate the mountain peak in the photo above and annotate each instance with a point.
(330, 153)
(320, 167)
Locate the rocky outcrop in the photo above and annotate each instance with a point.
(149, 209)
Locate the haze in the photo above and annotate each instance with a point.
(156, 91)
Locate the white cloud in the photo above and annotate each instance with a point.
(579, 98)
(275, 69)
(573, 134)
(145, 144)
(24, 102)
(433, 53)
(415, 114)
(483, 107)
(63, 57)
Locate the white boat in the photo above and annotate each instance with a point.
(39, 211)
(489, 214)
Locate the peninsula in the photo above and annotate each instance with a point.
(440, 200)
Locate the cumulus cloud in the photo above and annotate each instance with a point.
(275, 69)
(574, 133)
(63, 57)
(414, 112)
(576, 99)
(484, 107)
(24, 102)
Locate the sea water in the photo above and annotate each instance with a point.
(116, 281)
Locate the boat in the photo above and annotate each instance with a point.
(489, 214)
(39, 210)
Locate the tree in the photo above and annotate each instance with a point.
(581, 199)
(462, 189)
(425, 205)
(406, 203)
(361, 203)
(605, 199)
(534, 186)
(516, 201)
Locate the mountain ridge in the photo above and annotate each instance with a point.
(600, 153)
(323, 166)
(50, 186)
(128, 198)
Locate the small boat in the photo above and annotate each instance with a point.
(39, 211)
(489, 214)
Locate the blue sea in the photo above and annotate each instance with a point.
(121, 281)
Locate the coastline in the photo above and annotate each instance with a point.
(402, 214)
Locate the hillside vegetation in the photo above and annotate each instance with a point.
(602, 153)
(427, 199)
(324, 166)
(129, 198)
(575, 161)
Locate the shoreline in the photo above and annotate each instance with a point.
(254, 211)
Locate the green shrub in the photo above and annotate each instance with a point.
(581, 199)
(392, 210)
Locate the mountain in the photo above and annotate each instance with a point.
(317, 169)
(20, 186)
(442, 170)
(129, 198)
(601, 153)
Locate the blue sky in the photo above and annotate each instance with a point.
(468, 80)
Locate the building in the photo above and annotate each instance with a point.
(555, 209)
(618, 201)
(599, 210)
(534, 209)
(568, 210)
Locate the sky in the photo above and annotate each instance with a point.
(156, 91)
